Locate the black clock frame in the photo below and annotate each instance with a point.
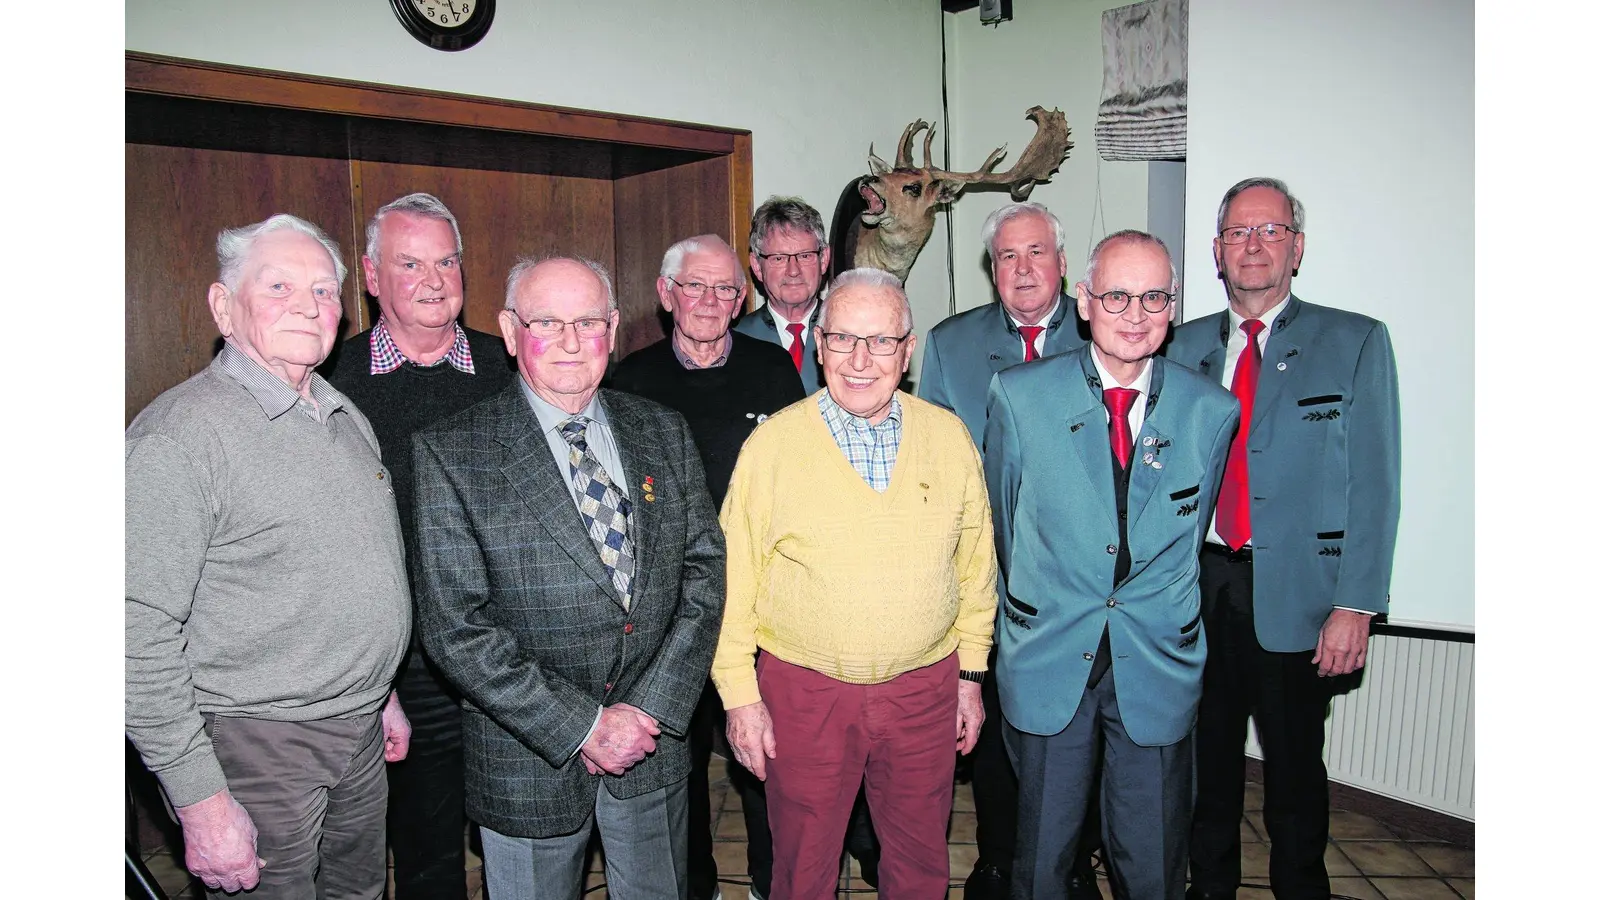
(440, 38)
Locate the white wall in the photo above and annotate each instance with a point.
(1049, 54)
(815, 82)
(1365, 108)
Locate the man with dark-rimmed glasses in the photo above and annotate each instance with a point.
(1298, 558)
(861, 563)
(789, 258)
(1103, 464)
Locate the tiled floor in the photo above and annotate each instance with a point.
(1366, 858)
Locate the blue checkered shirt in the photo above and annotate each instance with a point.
(870, 448)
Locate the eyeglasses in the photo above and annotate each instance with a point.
(588, 328)
(877, 344)
(1115, 302)
(694, 290)
(804, 257)
(1271, 232)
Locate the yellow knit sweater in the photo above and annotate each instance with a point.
(825, 572)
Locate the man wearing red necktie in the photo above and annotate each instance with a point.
(1298, 559)
(1033, 319)
(1103, 465)
(789, 259)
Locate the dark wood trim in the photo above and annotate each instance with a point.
(175, 77)
(1408, 821)
(741, 199)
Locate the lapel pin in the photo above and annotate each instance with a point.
(1149, 442)
(1150, 459)
(1282, 366)
(1156, 464)
(649, 487)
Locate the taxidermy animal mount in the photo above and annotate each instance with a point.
(884, 219)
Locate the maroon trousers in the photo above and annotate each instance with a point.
(900, 735)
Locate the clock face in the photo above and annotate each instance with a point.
(446, 24)
(445, 13)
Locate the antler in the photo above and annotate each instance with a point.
(1039, 160)
(902, 159)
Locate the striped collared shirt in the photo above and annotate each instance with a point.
(870, 448)
(273, 393)
(386, 356)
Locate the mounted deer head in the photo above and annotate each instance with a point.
(901, 201)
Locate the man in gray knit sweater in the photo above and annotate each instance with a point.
(266, 597)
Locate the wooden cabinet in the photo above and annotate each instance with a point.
(211, 147)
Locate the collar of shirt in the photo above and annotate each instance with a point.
(274, 395)
(783, 324)
(602, 443)
(1236, 336)
(1141, 383)
(871, 449)
(386, 355)
(687, 363)
(1047, 320)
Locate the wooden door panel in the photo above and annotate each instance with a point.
(502, 215)
(655, 210)
(177, 200)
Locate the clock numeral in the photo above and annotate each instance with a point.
(430, 12)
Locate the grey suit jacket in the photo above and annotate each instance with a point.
(759, 325)
(964, 352)
(517, 610)
(1324, 440)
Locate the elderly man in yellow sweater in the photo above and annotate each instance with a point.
(861, 562)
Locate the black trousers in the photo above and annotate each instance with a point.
(702, 733)
(1289, 701)
(427, 817)
(994, 793)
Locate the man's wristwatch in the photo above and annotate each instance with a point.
(974, 677)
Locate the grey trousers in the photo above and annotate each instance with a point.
(646, 846)
(317, 794)
(1146, 799)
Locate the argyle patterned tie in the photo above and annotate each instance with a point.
(796, 345)
(605, 511)
(1233, 504)
(1030, 333)
(1118, 401)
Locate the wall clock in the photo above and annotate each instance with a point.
(445, 24)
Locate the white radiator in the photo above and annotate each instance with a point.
(1407, 732)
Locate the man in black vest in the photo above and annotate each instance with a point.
(417, 365)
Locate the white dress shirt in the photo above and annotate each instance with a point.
(1140, 383)
(783, 325)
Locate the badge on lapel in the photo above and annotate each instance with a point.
(649, 488)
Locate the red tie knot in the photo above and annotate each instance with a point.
(796, 329)
(1120, 400)
(1252, 327)
(1030, 334)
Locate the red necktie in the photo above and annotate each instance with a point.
(1119, 401)
(796, 345)
(1233, 504)
(1029, 332)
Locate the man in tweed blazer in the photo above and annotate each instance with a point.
(570, 583)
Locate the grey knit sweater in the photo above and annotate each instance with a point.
(265, 569)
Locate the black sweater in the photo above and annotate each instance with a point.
(722, 405)
(413, 397)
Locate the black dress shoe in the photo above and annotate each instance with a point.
(1082, 886)
(987, 882)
